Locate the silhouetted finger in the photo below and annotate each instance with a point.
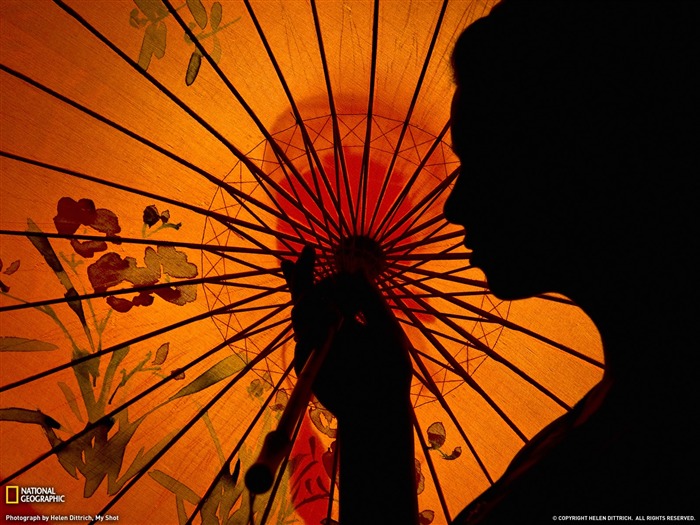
(288, 272)
(300, 275)
(304, 272)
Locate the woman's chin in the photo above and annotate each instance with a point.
(509, 283)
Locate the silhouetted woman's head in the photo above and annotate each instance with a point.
(573, 124)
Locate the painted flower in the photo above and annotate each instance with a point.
(74, 214)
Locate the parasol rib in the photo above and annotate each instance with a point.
(514, 326)
(252, 167)
(418, 210)
(275, 344)
(427, 257)
(331, 492)
(116, 239)
(239, 196)
(364, 169)
(241, 441)
(139, 289)
(431, 467)
(308, 143)
(280, 475)
(407, 187)
(430, 274)
(226, 220)
(429, 383)
(105, 420)
(451, 315)
(412, 230)
(463, 373)
(409, 114)
(429, 357)
(555, 299)
(212, 313)
(482, 347)
(401, 269)
(432, 238)
(279, 153)
(339, 154)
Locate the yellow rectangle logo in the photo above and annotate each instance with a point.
(11, 495)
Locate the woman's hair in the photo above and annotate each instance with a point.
(607, 89)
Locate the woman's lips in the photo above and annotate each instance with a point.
(468, 239)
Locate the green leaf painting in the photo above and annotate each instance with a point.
(220, 371)
(437, 437)
(20, 344)
(99, 451)
(155, 17)
(23, 415)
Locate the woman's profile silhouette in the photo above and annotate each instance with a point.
(578, 121)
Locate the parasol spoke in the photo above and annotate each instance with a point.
(339, 155)
(146, 288)
(483, 347)
(555, 299)
(428, 274)
(364, 167)
(281, 339)
(331, 492)
(227, 463)
(514, 326)
(434, 295)
(311, 152)
(431, 466)
(279, 153)
(238, 305)
(106, 420)
(135, 136)
(432, 238)
(238, 260)
(451, 315)
(423, 261)
(417, 211)
(412, 230)
(463, 374)
(430, 358)
(437, 333)
(327, 218)
(241, 197)
(117, 239)
(280, 474)
(426, 257)
(432, 387)
(390, 215)
(409, 114)
(402, 279)
(255, 170)
(226, 220)
(400, 270)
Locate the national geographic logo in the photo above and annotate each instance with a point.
(11, 495)
(15, 494)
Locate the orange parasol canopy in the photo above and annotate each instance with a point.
(158, 161)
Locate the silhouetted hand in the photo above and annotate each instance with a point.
(368, 361)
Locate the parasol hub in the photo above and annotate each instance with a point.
(359, 253)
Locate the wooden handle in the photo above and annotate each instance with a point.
(278, 443)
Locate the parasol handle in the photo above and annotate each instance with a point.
(278, 443)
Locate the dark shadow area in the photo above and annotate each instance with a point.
(578, 121)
